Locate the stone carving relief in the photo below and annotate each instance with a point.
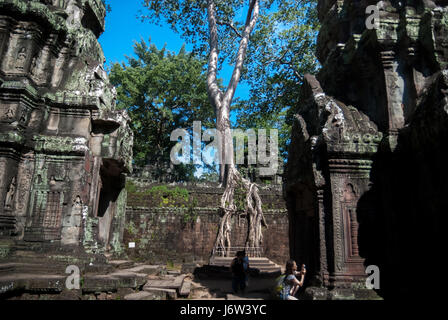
(53, 210)
(10, 194)
(9, 115)
(75, 15)
(72, 223)
(21, 59)
(25, 178)
(338, 222)
(58, 72)
(34, 67)
(23, 116)
(39, 65)
(49, 50)
(349, 211)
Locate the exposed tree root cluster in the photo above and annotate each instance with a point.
(252, 211)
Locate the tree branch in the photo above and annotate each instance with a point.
(251, 19)
(293, 68)
(275, 59)
(282, 61)
(231, 26)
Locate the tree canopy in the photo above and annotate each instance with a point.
(162, 91)
(280, 51)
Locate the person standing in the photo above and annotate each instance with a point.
(238, 273)
(246, 267)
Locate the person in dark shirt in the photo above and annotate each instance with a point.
(238, 273)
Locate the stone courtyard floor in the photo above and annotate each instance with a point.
(221, 289)
(128, 280)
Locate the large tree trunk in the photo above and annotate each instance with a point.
(230, 178)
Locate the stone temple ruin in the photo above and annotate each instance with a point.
(64, 149)
(367, 173)
(65, 152)
(365, 184)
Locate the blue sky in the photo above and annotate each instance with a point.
(123, 28)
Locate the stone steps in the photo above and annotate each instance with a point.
(263, 264)
(32, 282)
(147, 269)
(121, 264)
(113, 281)
(39, 278)
(170, 286)
(26, 267)
(251, 264)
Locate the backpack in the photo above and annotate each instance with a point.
(279, 287)
(246, 264)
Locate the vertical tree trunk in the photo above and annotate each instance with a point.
(230, 178)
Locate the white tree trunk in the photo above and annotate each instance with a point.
(229, 175)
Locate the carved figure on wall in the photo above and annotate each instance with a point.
(354, 231)
(21, 59)
(350, 212)
(74, 15)
(77, 203)
(10, 194)
(23, 116)
(349, 193)
(58, 70)
(9, 114)
(33, 66)
(36, 69)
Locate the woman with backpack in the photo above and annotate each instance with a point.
(290, 285)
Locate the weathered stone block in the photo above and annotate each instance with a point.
(170, 294)
(145, 295)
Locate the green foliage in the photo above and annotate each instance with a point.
(191, 214)
(132, 230)
(130, 186)
(240, 199)
(281, 51)
(189, 19)
(169, 197)
(163, 196)
(170, 265)
(162, 91)
(209, 176)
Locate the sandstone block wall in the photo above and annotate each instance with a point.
(165, 230)
(64, 148)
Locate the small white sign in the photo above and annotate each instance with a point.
(131, 244)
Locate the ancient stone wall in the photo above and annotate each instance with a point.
(64, 148)
(182, 225)
(365, 176)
